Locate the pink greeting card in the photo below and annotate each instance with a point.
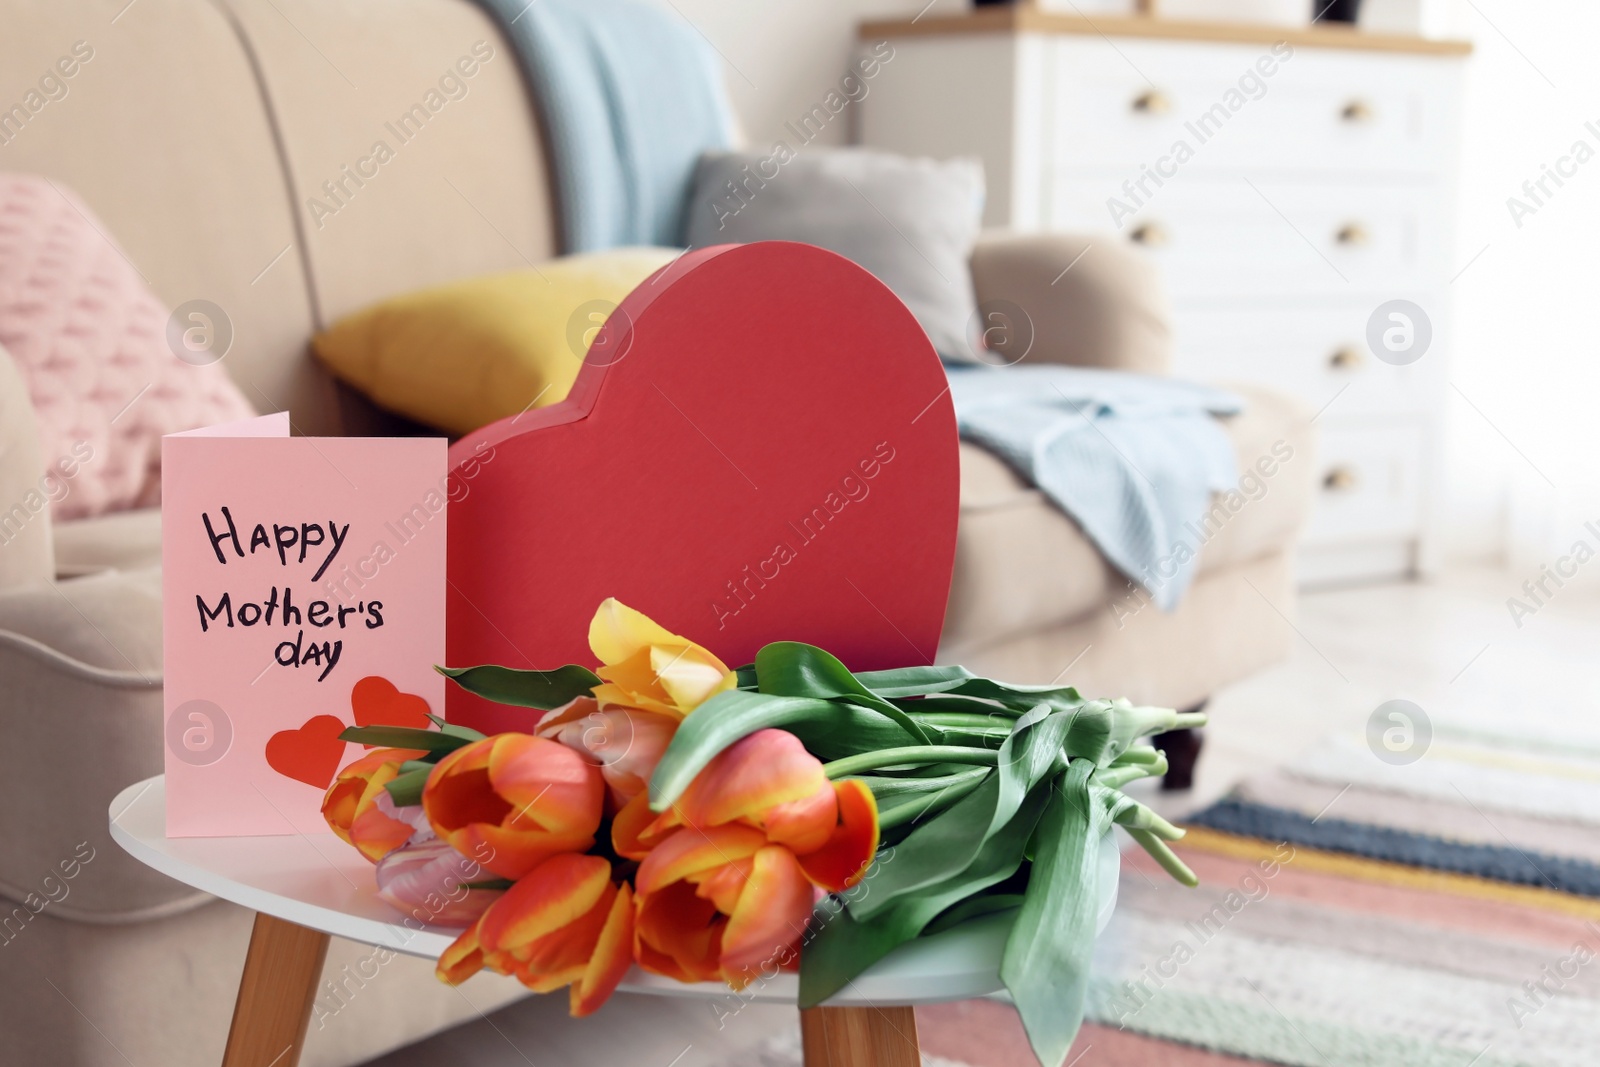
(303, 589)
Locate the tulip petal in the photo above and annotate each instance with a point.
(374, 833)
(626, 742)
(633, 682)
(549, 785)
(553, 895)
(646, 666)
(561, 956)
(458, 792)
(844, 860)
(618, 631)
(804, 825)
(690, 674)
(572, 711)
(678, 934)
(463, 959)
(769, 920)
(610, 960)
(629, 825)
(723, 885)
(513, 853)
(339, 806)
(512, 801)
(425, 881)
(629, 745)
(351, 804)
(661, 827)
(754, 774)
(690, 852)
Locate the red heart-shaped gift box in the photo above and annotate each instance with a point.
(760, 446)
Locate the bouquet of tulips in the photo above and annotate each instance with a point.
(712, 824)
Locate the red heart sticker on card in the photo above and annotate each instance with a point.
(760, 446)
(310, 754)
(375, 701)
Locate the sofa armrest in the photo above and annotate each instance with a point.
(1092, 301)
(82, 713)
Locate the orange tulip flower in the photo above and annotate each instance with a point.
(627, 743)
(730, 874)
(515, 801)
(356, 805)
(566, 923)
(647, 667)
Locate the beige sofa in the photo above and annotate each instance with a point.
(198, 131)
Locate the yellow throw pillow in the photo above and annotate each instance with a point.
(462, 355)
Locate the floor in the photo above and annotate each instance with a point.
(1450, 646)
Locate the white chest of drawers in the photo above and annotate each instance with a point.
(1289, 183)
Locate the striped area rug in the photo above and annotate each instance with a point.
(1441, 914)
(988, 1033)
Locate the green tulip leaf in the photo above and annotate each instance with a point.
(793, 669)
(1033, 753)
(973, 908)
(543, 690)
(406, 790)
(841, 944)
(915, 681)
(1046, 961)
(404, 737)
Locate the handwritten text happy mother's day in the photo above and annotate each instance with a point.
(306, 545)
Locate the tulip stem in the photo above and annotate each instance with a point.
(912, 754)
(1117, 777)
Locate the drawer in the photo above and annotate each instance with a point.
(1370, 476)
(1318, 111)
(1314, 352)
(1224, 237)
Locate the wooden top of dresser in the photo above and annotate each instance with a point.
(1023, 18)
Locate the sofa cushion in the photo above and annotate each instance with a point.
(120, 541)
(1022, 564)
(107, 372)
(911, 222)
(462, 355)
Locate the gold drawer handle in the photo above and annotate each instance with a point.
(1346, 358)
(1356, 111)
(1150, 234)
(1154, 102)
(1340, 480)
(1353, 235)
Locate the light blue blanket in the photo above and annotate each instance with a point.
(1133, 459)
(630, 95)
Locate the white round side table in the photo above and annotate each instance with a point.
(305, 888)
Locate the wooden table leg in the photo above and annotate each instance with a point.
(281, 972)
(860, 1037)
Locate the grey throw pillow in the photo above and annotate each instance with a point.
(911, 222)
